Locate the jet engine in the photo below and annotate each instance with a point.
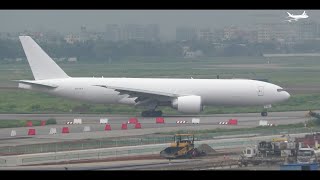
(188, 104)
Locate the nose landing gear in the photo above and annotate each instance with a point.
(265, 113)
(265, 110)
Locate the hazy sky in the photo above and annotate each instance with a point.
(71, 20)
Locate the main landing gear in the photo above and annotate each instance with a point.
(151, 113)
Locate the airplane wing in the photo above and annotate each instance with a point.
(37, 83)
(143, 95)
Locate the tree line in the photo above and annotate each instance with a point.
(103, 50)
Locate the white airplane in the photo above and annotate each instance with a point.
(297, 17)
(185, 95)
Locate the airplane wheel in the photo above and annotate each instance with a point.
(158, 113)
(151, 113)
(264, 113)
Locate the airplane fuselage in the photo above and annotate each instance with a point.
(227, 92)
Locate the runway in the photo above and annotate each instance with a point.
(148, 125)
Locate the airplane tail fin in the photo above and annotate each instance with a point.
(42, 66)
(289, 14)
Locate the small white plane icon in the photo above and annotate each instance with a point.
(297, 17)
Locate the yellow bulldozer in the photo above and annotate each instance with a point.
(182, 147)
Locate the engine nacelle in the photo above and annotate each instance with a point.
(188, 104)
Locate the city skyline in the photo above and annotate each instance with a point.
(66, 21)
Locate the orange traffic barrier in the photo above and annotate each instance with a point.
(124, 126)
(31, 132)
(65, 130)
(138, 126)
(159, 120)
(108, 127)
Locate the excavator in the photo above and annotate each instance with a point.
(182, 147)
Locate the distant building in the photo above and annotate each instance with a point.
(152, 32)
(133, 32)
(72, 59)
(288, 32)
(71, 38)
(113, 32)
(307, 30)
(186, 34)
(264, 32)
(230, 32)
(206, 35)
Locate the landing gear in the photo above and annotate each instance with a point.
(151, 113)
(264, 113)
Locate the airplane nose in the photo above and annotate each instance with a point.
(285, 95)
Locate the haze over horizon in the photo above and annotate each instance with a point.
(65, 21)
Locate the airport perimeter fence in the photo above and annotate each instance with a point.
(3, 162)
(107, 143)
(114, 153)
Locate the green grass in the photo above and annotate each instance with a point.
(22, 123)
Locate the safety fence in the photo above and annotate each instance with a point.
(95, 154)
(157, 139)
(3, 162)
(107, 153)
(57, 157)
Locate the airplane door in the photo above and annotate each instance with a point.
(260, 91)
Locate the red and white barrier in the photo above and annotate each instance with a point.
(104, 121)
(77, 121)
(137, 126)
(223, 123)
(181, 122)
(53, 131)
(31, 132)
(65, 130)
(13, 133)
(124, 126)
(160, 120)
(195, 120)
(233, 122)
(108, 127)
(133, 121)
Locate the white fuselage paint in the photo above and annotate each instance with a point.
(227, 92)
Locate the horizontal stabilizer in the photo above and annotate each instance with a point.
(37, 83)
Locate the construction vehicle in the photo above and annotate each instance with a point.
(182, 147)
(309, 149)
(269, 152)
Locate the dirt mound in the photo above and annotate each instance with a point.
(206, 148)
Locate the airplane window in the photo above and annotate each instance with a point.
(279, 90)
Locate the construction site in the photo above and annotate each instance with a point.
(142, 144)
